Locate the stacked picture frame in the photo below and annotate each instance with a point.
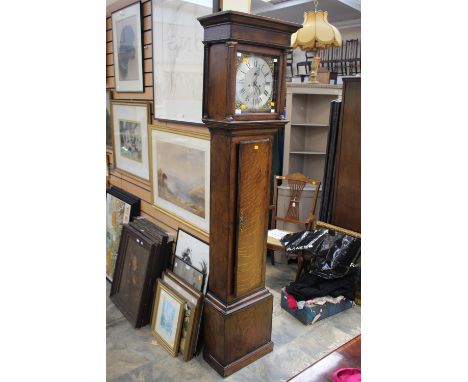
(144, 253)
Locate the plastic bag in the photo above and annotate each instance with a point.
(333, 253)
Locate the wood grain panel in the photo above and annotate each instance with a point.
(148, 65)
(147, 23)
(146, 9)
(109, 59)
(110, 71)
(109, 48)
(108, 23)
(252, 200)
(109, 35)
(115, 181)
(110, 83)
(146, 95)
(148, 79)
(148, 52)
(147, 37)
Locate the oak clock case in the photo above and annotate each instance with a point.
(240, 53)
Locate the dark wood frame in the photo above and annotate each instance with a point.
(116, 61)
(136, 312)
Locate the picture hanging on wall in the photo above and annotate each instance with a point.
(178, 58)
(180, 175)
(127, 46)
(108, 121)
(130, 131)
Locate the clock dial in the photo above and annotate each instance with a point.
(255, 83)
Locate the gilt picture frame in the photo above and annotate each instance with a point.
(127, 46)
(130, 137)
(167, 317)
(180, 175)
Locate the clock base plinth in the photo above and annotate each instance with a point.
(238, 333)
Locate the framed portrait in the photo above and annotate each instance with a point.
(127, 46)
(192, 314)
(194, 252)
(178, 54)
(120, 208)
(180, 175)
(108, 121)
(130, 133)
(167, 317)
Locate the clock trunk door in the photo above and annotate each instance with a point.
(252, 211)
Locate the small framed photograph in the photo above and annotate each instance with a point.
(188, 273)
(195, 252)
(180, 175)
(130, 132)
(167, 318)
(127, 45)
(192, 315)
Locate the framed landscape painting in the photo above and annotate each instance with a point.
(130, 131)
(180, 175)
(127, 46)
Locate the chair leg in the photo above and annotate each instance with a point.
(272, 256)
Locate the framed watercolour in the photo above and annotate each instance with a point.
(120, 208)
(178, 54)
(167, 317)
(195, 252)
(180, 175)
(189, 274)
(192, 315)
(108, 121)
(130, 133)
(127, 46)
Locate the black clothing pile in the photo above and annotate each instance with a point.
(310, 286)
(332, 271)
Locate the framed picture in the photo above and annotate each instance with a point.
(127, 45)
(108, 121)
(189, 274)
(192, 315)
(130, 132)
(120, 208)
(167, 318)
(180, 175)
(178, 54)
(195, 252)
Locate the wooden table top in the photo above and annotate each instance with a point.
(347, 355)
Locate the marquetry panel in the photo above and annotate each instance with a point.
(252, 204)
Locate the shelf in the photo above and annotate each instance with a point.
(307, 152)
(309, 124)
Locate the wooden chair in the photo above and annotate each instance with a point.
(307, 63)
(296, 183)
(289, 62)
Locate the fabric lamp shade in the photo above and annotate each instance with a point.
(316, 32)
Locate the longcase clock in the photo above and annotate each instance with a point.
(243, 101)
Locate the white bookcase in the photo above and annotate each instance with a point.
(306, 133)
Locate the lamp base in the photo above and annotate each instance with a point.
(314, 69)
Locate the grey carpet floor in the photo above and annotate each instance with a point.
(134, 355)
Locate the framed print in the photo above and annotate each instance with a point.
(180, 175)
(178, 54)
(192, 313)
(195, 252)
(167, 318)
(120, 208)
(127, 46)
(130, 132)
(188, 273)
(108, 121)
